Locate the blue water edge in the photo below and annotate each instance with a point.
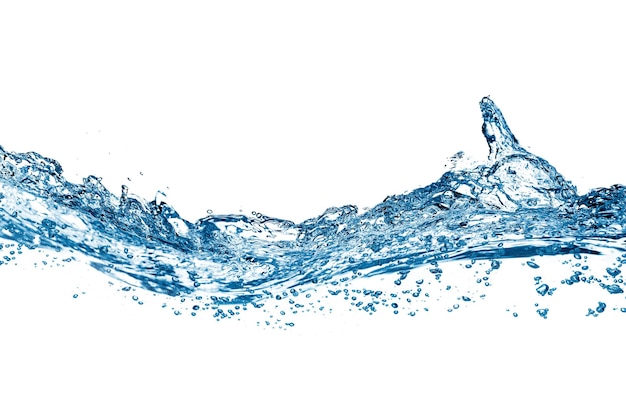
(513, 205)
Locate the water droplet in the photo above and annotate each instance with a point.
(543, 312)
(614, 289)
(613, 272)
(532, 264)
(542, 289)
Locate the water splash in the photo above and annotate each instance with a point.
(515, 205)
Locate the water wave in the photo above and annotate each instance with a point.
(513, 205)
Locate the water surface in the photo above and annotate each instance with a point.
(480, 214)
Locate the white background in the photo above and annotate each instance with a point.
(288, 108)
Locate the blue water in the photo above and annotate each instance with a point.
(513, 205)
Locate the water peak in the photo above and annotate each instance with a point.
(499, 137)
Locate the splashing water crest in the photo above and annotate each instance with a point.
(515, 205)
